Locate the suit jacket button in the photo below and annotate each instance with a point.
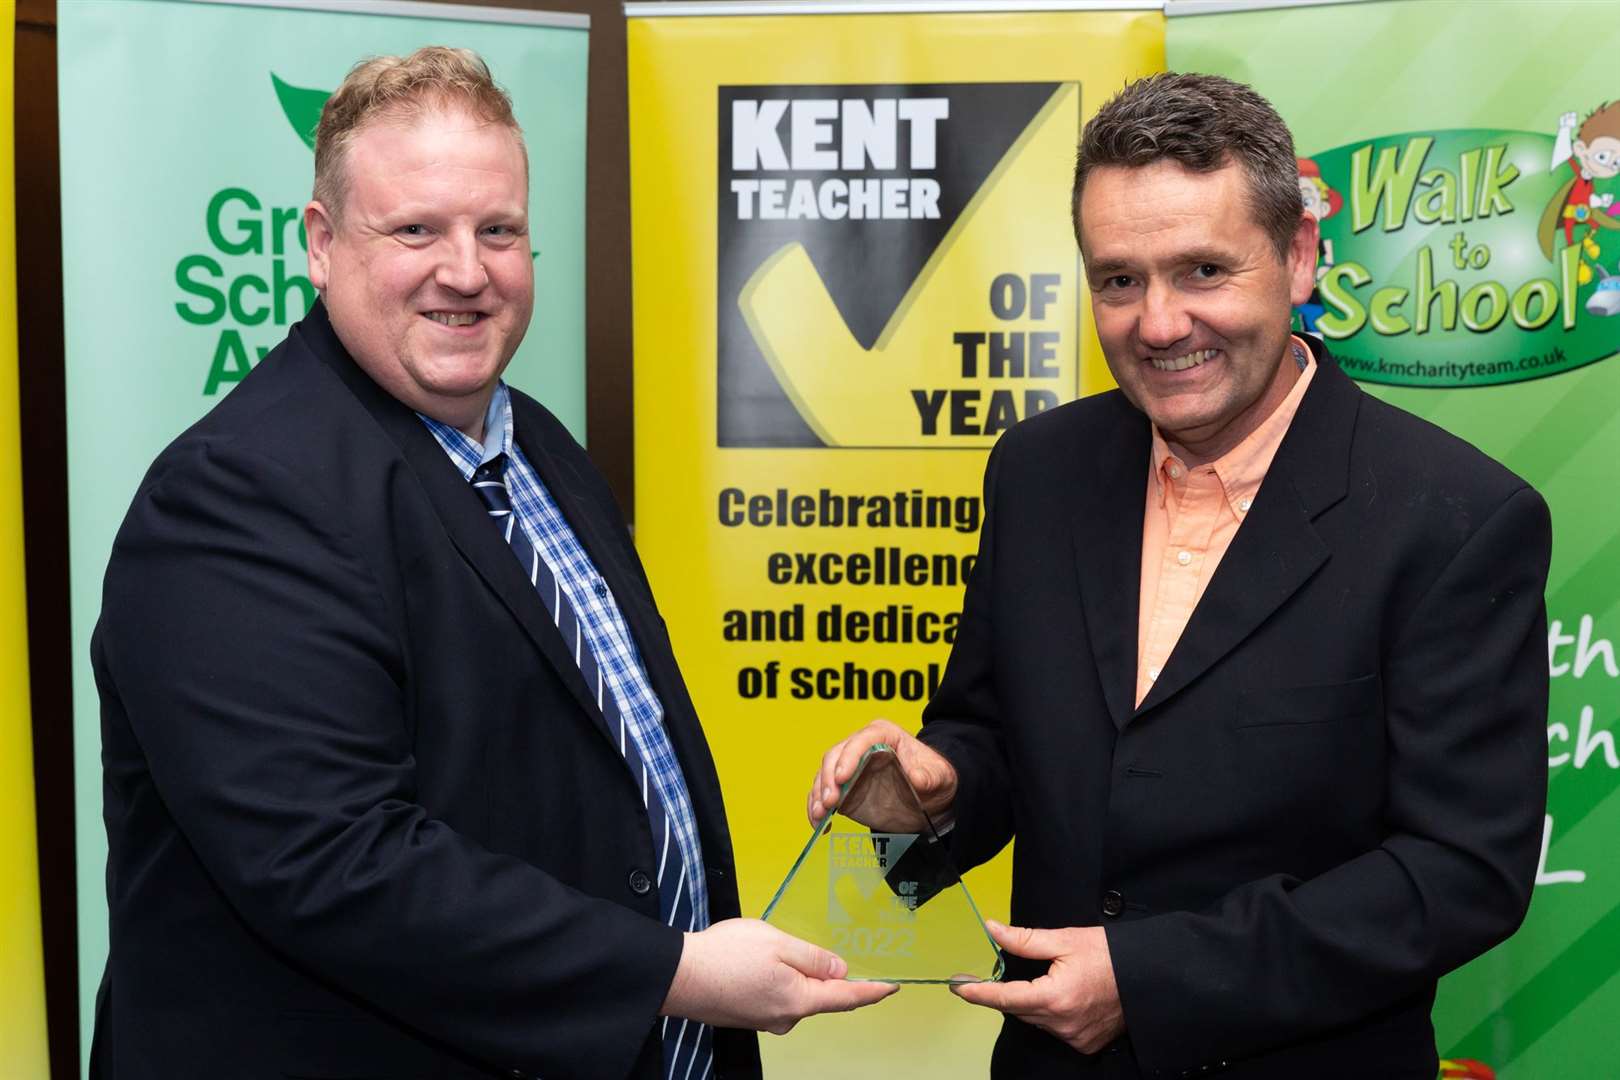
(640, 883)
(1112, 903)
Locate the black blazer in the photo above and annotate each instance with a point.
(1334, 792)
(363, 817)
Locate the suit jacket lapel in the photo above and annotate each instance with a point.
(634, 603)
(464, 518)
(1108, 552)
(1277, 549)
(579, 511)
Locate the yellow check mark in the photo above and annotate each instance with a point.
(1016, 224)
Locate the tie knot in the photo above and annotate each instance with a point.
(493, 469)
(489, 481)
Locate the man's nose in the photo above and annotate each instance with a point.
(461, 270)
(1164, 320)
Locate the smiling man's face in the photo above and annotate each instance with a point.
(1191, 302)
(426, 271)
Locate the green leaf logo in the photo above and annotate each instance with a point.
(302, 107)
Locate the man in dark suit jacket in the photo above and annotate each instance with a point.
(380, 803)
(1256, 856)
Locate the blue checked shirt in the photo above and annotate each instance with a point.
(616, 653)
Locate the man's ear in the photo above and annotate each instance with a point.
(319, 232)
(1302, 258)
(1579, 146)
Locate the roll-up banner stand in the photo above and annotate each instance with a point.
(1465, 156)
(853, 269)
(22, 975)
(187, 135)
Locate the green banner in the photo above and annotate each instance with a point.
(1464, 163)
(187, 131)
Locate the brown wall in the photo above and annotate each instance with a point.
(42, 390)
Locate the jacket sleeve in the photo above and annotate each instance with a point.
(264, 673)
(1279, 959)
(962, 721)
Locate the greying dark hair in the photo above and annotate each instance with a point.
(1204, 123)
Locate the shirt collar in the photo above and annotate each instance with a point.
(466, 453)
(1241, 469)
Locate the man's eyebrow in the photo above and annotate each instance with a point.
(1205, 255)
(1196, 256)
(1105, 266)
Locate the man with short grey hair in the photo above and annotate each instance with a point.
(401, 778)
(1252, 664)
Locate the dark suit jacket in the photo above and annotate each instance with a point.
(1334, 792)
(364, 819)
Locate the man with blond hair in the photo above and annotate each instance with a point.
(1252, 664)
(401, 778)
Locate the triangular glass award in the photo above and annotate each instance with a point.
(890, 903)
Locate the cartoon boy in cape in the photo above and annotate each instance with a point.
(1593, 154)
(1322, 202)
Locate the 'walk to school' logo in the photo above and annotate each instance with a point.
(1468, 257)
(895, 265)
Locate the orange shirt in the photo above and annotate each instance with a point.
(1190, 518)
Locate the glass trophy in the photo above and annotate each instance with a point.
(890, 903)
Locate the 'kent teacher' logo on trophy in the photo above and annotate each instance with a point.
(858, 868)
(895, 267)
(1469, 257)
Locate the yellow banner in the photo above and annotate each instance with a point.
(22, 981)
(853, 270)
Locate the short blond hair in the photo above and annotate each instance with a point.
(399, 88)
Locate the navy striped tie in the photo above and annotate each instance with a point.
(687, 1045)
